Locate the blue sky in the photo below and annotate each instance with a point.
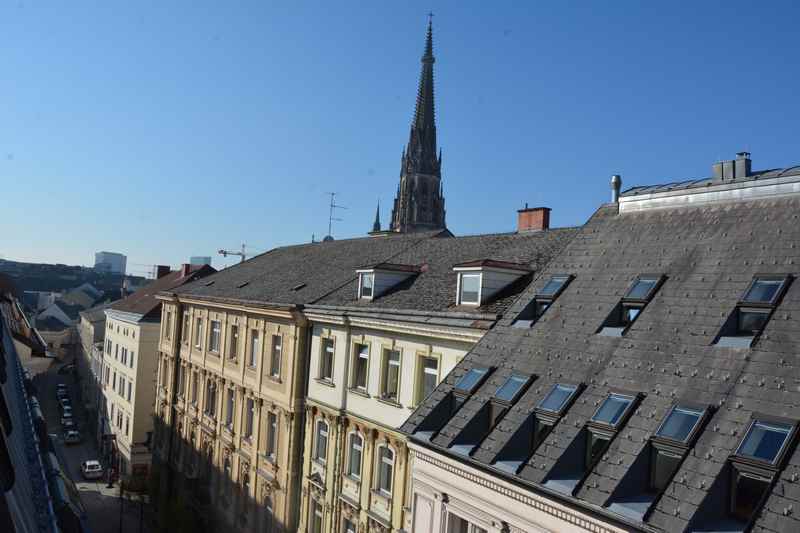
(168, 129)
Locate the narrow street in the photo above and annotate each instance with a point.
(107, 512)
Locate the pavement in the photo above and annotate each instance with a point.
(106, 511)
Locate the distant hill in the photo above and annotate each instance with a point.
(48, 277)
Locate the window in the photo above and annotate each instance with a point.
(326, 359)
(233, 345)
(756, 462)
(752, 312)
(612, 410)
(764, 441)
(213, 341)
(249, 413)
(428, 376)
(124, 356)
(198, 332)
(456, 524)
(185, 330)
(469, 289)
(390, 381)
(108, 346)
(542, 301)
(275, 359)
(253, 348)
(116, 352)
(315, 520)
(360, 367)
(558, 397)
(272, 435)
(211, 398)
(631, 305)
(181, 379)
(680, 423)
(321, 452)
(367, 284)
(385, 470)
(194, 388)
(167, 324)
(356, 449)
(470, 381)
(132, 357)
(511, 388)
(129, 391)
(229, 408)
(348, 526)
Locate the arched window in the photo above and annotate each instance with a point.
(356, 452)
(385, 469)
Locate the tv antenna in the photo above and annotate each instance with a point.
(331, 211)
(242, 253)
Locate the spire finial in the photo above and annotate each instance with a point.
(429, 40)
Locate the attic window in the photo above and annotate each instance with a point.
(469, 292)
(752, 312)
(523, 444)
(647, 479)
(632, 304)
(756, 464)
(470, 381)
(542, 301)
(511, 389)
(612, 409)
(366, 284)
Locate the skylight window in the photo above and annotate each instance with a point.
(512, 387)
(680, 423)
(612, 409)
(542, 301)
(752, 312)
(631, 306)
(764, 441)
(471, 380)
(557, 398)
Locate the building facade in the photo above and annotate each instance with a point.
(641, 383)
(132, 332)
(379, 346)
(110, 262)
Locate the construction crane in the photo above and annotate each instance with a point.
(242, 254)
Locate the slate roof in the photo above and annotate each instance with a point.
(434, 288)
(709, 255)
(96, 313)
(299, 274)
(143, 302)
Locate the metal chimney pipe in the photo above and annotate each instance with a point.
(616, 183)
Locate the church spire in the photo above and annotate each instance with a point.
(376, 226)
(419, 204)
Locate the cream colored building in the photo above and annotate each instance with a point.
(132, 330)
(379, 346)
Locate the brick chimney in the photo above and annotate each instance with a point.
(161, 271)
(186, 269)
(533, 219)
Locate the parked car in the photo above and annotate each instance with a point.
(66, 410)
(91, 469)
(72, 436)
(63, 403)
(68, 423)
(62, 386)
(62, 394)
(65, 417)
(66, 369)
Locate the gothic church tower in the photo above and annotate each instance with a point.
(419, 204)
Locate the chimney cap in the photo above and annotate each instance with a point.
(526, 209)
(742, 155)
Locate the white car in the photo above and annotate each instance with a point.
(91, 469)
(65, 417)
(72, 436)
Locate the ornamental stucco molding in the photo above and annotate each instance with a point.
(538, 504)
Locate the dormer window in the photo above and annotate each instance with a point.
(366, 283)
(469, 289)
(648, 478)
(470, 381)
(542, 301)
(753, 311)
(511, 389)
(530, 435)
(632, 304)
(479, 281)
(375, 280)
(586, 449)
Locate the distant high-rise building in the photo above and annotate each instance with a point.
(111, 262)
(200, 260)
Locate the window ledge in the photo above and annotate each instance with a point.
(250, 368)
(381, 494)
(353, 478)
(271, 459)
(275, 379)
(213, 353)
(326, 382)
(319, 462)
(393, 403)
(359, 392)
